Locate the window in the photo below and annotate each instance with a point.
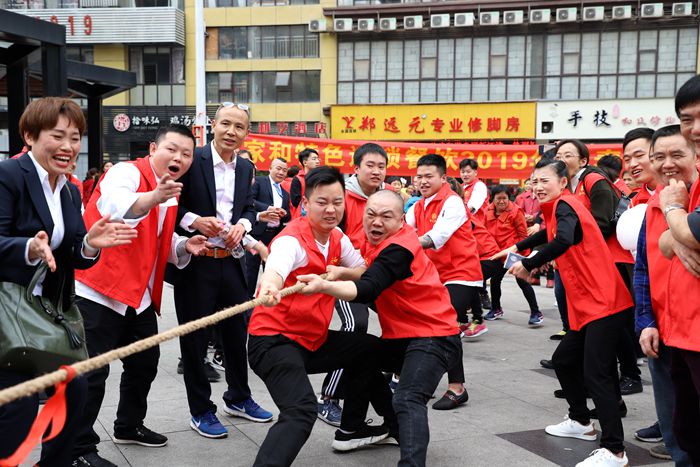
(267, 42)
(160, 75)
(83, 54)
(264, 86)
(568, 65)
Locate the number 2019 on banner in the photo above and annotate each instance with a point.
(71, 26)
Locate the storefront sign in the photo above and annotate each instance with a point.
(602, 119)
(434, 122)
(495, 161)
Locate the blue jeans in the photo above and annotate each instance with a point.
(660, 369)
(421, 362)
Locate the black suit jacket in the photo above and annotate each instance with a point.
(263, 198)
(23, 213)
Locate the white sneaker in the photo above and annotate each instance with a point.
(605, 458)
(573, 429)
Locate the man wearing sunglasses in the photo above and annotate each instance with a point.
(217, 201)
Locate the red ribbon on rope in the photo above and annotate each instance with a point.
(53, 413)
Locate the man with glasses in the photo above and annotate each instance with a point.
(309, 159)
(217, 201)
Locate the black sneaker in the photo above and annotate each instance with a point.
(630, 386)
(367, 434)
(393, 437)
(450, 400)
(212, 375)
(547, 364)
(485, 300)
(621, 406)
(140, 435)
(91, 459)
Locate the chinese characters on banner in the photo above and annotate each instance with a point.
(495, 162)
(434, 122)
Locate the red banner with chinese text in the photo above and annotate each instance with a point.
(496, 161)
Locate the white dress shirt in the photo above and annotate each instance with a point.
(276, 200)
(287, 254)
(452, 216)
(119, 193)
(479, 195)
(575, 179)
(225, 181)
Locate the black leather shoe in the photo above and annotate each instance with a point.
(141, 436)
(450, 400)
(92, 459)
(621, 406)
(630, 386)
(546, 364)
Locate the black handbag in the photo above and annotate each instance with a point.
(36, 336)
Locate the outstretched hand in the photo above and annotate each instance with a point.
(502, 254)
(106, 234)
(197, 245)
(40, 248)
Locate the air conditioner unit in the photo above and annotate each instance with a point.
(566, 15)
(622, 12)
(440, 21)
(489, 18)
(342, 24)
(652, 10)
(464, 19)
(682, 9)
(365, 24)
(593, 13)
(540, 16)
(513, 17)
(413, 22)
(387, 24)
(318, 25)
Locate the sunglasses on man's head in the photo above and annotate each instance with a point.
(227, 105)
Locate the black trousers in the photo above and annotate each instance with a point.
(496, 271)
(105, 329)
(354, 317)
(16, 419)
(284, 365)
(685, 374)
(586, 359)
(205, 286)
(628, 348)
(461, 297)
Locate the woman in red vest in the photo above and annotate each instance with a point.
(596, 296)
(506, 223)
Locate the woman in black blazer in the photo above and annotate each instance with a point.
(40, 220)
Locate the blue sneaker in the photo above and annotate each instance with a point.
(536, 319)
(248, 409)
(494, 314)
(330, 411)
(208, 426)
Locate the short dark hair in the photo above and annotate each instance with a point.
(368, 148)
(43, 114)
(321, 176)
(559, 167)
(637, 133)
(293, 171)
(612, 165)
(468, 163)
(434, 160)
(303, 155)
(665, 131)
(688, 94)
(549, 153)
(496, 189)
(580, 147)
(175, 128)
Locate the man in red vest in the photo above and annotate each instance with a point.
(289, 338)
(309, 159)
(120, 296)
(420, 337)
(681, 331)
(445, 233)
(635, 154)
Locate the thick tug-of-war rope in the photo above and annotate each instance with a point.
(48, 380)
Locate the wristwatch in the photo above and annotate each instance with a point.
(672, 207)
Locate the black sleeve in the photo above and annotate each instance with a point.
(295, 192)
(568, 233)
(393, 264)
(538, 238)
(604, 203)
(694, 223)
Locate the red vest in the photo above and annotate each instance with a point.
(354, 211)
(481, 212)
(622, 186)
(642, 197)
(302, 318)
(295, 212)
(683, 306)
(659, 265)
(594, 288)
(123, 272)
(509, 227)
(620, 255)
(458, 259)
(486, 245)
(418, 306)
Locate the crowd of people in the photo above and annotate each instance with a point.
(621, 248)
